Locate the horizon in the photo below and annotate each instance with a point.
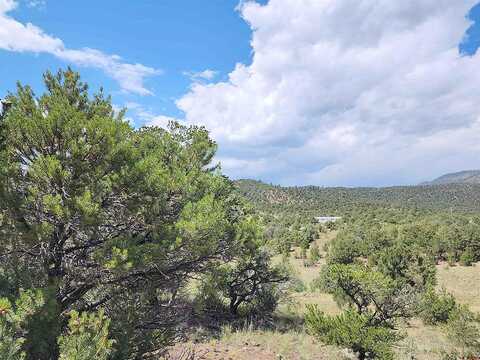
(327, 93)
(424, 183)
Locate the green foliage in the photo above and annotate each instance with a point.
(436, 307)
(353, 330)
(310, 200)
(14, 323)
(363, 288)
(103, 216)
(463, 329)
(87, 337)
(345, 249)
(407, 263)
(250, 279)
(467, 258)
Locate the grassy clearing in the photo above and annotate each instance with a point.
(291, 342)
(463, 282)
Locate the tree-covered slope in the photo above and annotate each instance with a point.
(463, 177)
(336, 200)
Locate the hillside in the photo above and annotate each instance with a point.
(461, 177)
(337, 200)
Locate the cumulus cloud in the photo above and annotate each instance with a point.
(343, 92)
(18, 37)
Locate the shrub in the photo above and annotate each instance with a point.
(344, 249)
(296, 285)
(352, 330)
(463, 330)
(467, 258)
(436, 307)
(372, 301)
(409, 264)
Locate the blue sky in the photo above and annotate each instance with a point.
(327, 92)
(169, 35)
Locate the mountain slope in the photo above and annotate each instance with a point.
(338, 200)
(464, 177)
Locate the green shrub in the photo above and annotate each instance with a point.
(463, 329)
(467, 258)
(436, 307)
(296, 285)
(352, 330)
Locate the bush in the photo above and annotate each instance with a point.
(352, 330)
(463, 330)
(436, 307)
(296, 285)
(467, 258)
(344, 249)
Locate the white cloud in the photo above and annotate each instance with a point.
(18, 37)
(197, 76)
(145, 117)
(38, 4)
(347, 92)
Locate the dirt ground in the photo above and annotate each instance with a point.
(219, 351)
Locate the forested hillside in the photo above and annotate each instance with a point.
(339, 200)
(461, 177)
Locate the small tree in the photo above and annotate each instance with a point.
(250, 277)
(407, 263)
(373, 303)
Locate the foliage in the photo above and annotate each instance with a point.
(373, 302)
(353, 330)
(250, 278)
(436, 307)
(87, 337)
(463, 330)
(99, 215)
(14, 320)
(467, 258)
(407, 263)
(364, 288)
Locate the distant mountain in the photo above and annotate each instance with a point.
(338, 200)
(461, 177)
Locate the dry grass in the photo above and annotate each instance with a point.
(289, 345)
(422, 342)
(463, 282)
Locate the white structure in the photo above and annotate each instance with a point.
(326, 219)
